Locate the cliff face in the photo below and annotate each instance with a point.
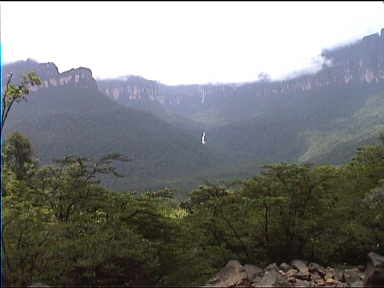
(349, 68)
(358, 64)
(50, 76)
(130, 88)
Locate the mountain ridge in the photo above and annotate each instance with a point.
(262, 121)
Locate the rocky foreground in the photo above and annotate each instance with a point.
(299, 273)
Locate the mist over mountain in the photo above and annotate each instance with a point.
(307, 117)
(253, 119)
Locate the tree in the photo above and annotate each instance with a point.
(69, 187)
(18, 155)
(14, 93)
(295, 202)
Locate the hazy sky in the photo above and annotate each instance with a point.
(183, 42)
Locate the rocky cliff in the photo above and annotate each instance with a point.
(357, 64)
(50, 76)
(360, 63)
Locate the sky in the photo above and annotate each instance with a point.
(184, 42)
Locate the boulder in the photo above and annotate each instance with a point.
(272, 278)
(374, 273)
(319, 282)
(38, 285)
(301, 274)
(272, 266)
(285, 267)
(316, 277)
(314, 267)
(253, 272)
(330, 282)
(351, 275)
(357, 284)
(330, 273)
(300, 265)
(302, 283)
(232, 274)
(339, 275)
(291, 273)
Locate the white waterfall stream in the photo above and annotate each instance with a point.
(203, 141)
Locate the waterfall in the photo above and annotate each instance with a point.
(203, 93)
(203, 141)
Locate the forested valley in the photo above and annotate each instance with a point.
(63, 227)
(108, 183)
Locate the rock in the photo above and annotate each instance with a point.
(269, 279)
(291, 279)
(303, 276)
(351, 275)
(330, 273)
(357, 284)
(272, 266)
(283, 282)
(339, 275)
(319, 282)
(253, 272)
(374, 273)
(285, 267)
(291, 273)
(300, 265)
(232, 274)
(272, 278)
(330, 281)
(302, 283)
(39, 285)
(256, 280)
(312, 267)
(341, 284)
(316, 276)
(303, 273)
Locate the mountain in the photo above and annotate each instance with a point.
(319, 117)
(359, 64)
(272, 120)
(140, 93)
(69, 115)
(338, 143)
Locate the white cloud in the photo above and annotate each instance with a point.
(183, 42)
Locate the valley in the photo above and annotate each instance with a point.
(304, 118)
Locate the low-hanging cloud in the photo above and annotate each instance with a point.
(317, 63)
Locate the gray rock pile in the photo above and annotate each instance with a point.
(299, 273)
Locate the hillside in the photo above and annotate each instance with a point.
(78, 119)
(347, 134)
(357, 65)
(273, 120)
(320, 117)
(284, 134)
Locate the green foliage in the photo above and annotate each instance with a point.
(14, 93)
(337, 143)
(18, 155)
(62, 227)
(294, 202)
